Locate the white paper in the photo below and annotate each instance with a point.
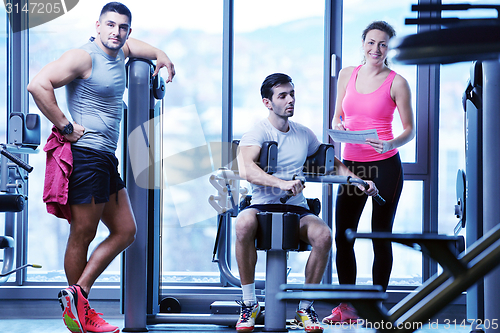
(352, 136)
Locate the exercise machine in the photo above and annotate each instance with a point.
(459, 273)
(23, 138)
(143, 156)
(471, 39)
(470, 180)
(277, 233)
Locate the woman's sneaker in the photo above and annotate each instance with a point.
(308, 319)
(344, 313)
(248, 314)
(74, 306)
(94, 323)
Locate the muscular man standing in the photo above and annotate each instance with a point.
(94, 76)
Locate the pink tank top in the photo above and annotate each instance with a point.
(368, 111)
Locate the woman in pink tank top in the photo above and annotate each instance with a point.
(367, 98)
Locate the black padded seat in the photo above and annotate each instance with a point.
(6, 242)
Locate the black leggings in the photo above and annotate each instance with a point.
(388, 177)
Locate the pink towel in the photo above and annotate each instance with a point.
(58, 168)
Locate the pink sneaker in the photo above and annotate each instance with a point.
(344, 313)
(95, 323)
(74, 306)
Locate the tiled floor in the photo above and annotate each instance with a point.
(57, 326)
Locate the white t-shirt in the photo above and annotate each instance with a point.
(294, 147)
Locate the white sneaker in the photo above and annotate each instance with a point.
(248, 314)
(308, 319)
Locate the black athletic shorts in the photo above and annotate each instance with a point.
(95, 174)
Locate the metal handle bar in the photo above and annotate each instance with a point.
(326, 179)
(289, 194)
(454, 7)
(19, 268)
(336, 179)
(378, 199)
(15, 159)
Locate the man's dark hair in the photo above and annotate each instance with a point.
(117, 7)
(273, 80)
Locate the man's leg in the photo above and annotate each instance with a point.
(73, 300)
(118, 217)
(315, 231)
(246, 257)
(246, 254)
(83, 228)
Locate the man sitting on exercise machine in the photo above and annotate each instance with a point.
(295, 143)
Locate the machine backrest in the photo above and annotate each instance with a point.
(24, 129)
(268, 159)
(322, 162)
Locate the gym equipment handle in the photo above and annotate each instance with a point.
(20, 268)
(289, 194)
(377, 197)
(16, 160)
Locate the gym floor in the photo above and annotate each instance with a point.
(44, 316)
(57, 326)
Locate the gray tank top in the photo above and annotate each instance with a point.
(96, 103)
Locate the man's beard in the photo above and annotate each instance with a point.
(108, 44)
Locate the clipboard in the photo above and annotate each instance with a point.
(358, 137)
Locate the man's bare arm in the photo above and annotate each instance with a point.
(71, 65)
(136, 48)
(250, 171)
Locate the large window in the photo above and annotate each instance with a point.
(357, 16)
(192, 37)
(451, 140)
(288, 37)
(193, 125)
(47, 235)
(279, 37)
